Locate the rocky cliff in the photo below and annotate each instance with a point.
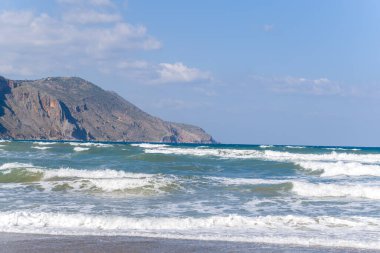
(71, 108)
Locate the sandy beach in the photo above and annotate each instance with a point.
(33, 243)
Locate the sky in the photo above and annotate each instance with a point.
(297, 72)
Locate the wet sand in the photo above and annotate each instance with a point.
(32, 243)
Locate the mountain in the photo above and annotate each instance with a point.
(70, 108)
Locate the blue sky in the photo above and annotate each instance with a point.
(262, 72)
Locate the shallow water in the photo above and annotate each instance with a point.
(308, 196)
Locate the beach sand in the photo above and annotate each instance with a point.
(33, 243)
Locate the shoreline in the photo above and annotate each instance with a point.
(40, 243)
(184, 143)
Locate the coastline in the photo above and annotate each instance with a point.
(33, 243)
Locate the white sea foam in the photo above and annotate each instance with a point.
(310, 189)
(90, 144)
(266, 146)
(15, 165)
(121, 187)
(328, 157)
(246, 181)
(329, 169)
(44, 143)
(277, 229)
(222, 153)
(149, 145)
(96, 180)
(336, 190)
(80, 149)
(94, 174)
(344, 149)
(109, 180)
(265, 154)
(41, 148)
(296, 147)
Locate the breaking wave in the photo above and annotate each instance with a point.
(80, 149)
(44, 143)
(345, 149)
(92, 181)
(149, 145)
(277, 229)
(328, 164)
(336, 190)
(15, 165)
(266, 146)
(246, 181)
(90, 144)
(327, 157)
(307, 189)
(329, 169)
(260, 154)
(41, 148)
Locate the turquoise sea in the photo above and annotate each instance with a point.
(301, 195)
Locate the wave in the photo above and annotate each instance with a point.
(309, 189)
(246, 181)
(80, 149)
(221, 153)
(266, 146)
(328, 157)
(41, 148)
(345, 149)
(336, 190)
(16, 165)
(44, 143)
(297, 147)
(328, 164)
(149, 145)
(90, 144)
(258, 154)
(91, 181)
(277, 229)
(329, 169)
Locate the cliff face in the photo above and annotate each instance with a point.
(74, 109)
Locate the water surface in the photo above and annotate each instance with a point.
(307, 196)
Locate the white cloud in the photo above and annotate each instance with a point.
(36, 43)
(91, 17)
(289, 84)
(163, 73)
(100, 3)
(178, 72)
(39, 44)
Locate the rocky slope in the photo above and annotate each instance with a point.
(62, 108)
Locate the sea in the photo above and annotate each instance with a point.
(273, 194)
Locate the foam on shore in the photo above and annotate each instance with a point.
(277, 229)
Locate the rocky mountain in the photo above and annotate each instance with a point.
(70, 108)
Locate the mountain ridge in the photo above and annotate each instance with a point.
(71, 108)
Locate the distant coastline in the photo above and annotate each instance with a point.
(70, 108)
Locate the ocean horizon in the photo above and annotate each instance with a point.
(309, 196)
